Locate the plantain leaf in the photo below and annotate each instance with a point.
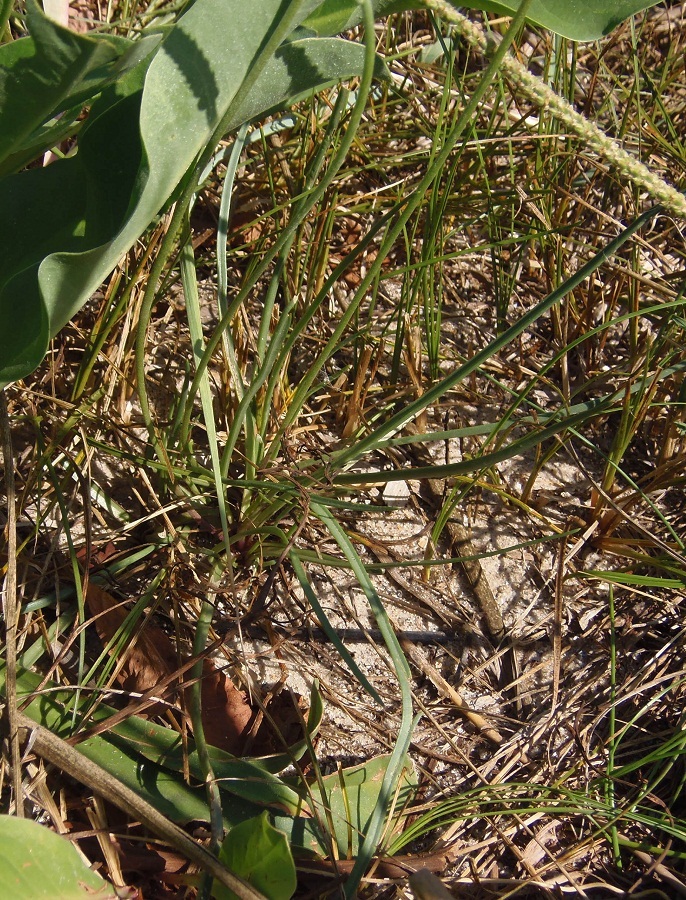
(146, 758)
(579, 20)
(37, 864)
(54, 70)
(65, 227)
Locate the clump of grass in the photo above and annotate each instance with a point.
(426, 279)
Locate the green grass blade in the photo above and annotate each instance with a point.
(408, 414)
(396, 763)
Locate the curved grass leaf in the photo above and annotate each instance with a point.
(394, 772)
(328, 628)
(579, 20)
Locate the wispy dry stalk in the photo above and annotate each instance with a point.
(10, 610)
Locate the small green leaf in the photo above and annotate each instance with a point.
(258, 852)
(36, 863)
(351, 796)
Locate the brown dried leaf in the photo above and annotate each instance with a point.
(151, 657)
(148, 659)
(226, 713)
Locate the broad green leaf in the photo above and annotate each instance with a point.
(37, 863)
(350, 797)
(163, 746)
(64, 230)
(335, 16)
(46, 137)
(54, 70)
(239, 777)
(259, 853)
(579, 20)
(144, 755)
(300, 67)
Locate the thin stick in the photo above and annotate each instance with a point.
(10, 606)
(448, 691)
